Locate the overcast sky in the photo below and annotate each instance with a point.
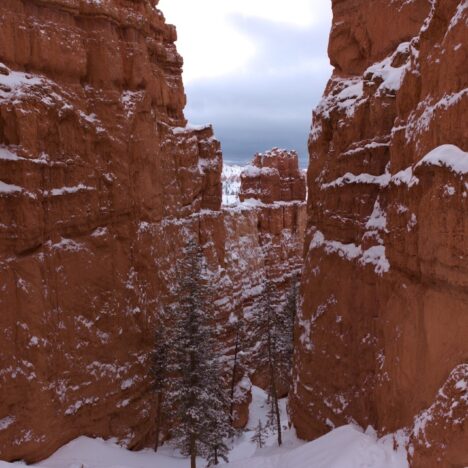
(253, 68)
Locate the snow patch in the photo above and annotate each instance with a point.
(390, 76)
(230, 179)
(373, 256)
(57, 192)
(9, 188)
(12, 82)
(7, 155)
(190, 128)
(349, 178)
(448, 156)
(378, 219)
(254, 171)
(5, 423)
(421, 118)
(376, 256)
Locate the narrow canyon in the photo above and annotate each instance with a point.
(103, 182)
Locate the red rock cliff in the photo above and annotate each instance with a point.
(274, 189)
(97, 173)
(101, 185)
(381, 338)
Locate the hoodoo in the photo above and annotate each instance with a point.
(273, 176)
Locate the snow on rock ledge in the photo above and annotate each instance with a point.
(373, 256)
(272, 177)
(447, 156)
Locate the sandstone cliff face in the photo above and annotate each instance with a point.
(102, 184)
(97, 169)
(381, 338)
(274, 188)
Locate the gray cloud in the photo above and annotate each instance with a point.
(270, 103)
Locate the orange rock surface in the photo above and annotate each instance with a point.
(273, 176)
(274, 187)
(382, 335)
(102, 183)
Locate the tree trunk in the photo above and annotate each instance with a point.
(277, 411)
(193, 451)
(158, 420)
(216, 456)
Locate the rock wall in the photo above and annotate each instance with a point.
(274, 187)
(102, 183)
(381, 338)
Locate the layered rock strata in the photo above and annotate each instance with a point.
(102, 184)
(273, 186)
(98, 170)
(381, 338)
(273, 176)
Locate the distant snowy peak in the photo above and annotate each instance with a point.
(231, 183)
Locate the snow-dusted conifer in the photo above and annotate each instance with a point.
(275, 326)
(218, 421)
(271, 415)
(283, 334)
(195, 391)
(259, 435)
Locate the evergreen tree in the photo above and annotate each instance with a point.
(259, 435)
(283, 332)
(275, 327)
(194, 389)
(218, 419)
(219, 430)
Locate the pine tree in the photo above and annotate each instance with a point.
(219, 429)
(266, 355)
(218, 420)
(283, 331)
(195, 391)
(272, 361)
(275, 326)
(259, 435)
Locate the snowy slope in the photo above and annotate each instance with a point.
(230, 179)
(345, 447)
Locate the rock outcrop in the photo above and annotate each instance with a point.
(273, 187)
(381, 338)
(102, 184)
(273, 176)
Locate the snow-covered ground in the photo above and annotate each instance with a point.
(231, 183)
(344, 447)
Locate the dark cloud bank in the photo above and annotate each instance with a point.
(269, 104)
